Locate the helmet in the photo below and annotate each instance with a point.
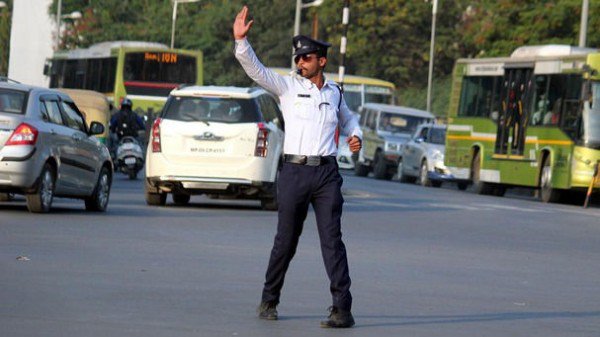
(126, 102)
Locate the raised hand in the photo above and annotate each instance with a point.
(240, 27)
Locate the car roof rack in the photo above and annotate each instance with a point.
(6, 79)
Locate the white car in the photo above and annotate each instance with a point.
(218, 141)
(423, 157)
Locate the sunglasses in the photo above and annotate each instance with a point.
(305, 57)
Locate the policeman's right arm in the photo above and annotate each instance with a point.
(266, 78)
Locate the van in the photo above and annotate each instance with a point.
(386, 128)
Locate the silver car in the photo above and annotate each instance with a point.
(47, 151)
(423, 157)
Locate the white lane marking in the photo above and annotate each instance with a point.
(515, 208)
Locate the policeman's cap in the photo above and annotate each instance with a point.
(305, 45)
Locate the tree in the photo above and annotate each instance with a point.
(5, 22)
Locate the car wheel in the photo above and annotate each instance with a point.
(547, 193)
(181, 199)
(132, 174)
(403, 177)
(154, 199)
(462, 185)
(98, 202)
(381, 168)
(360, 169)
(423, 177)
(41, 200)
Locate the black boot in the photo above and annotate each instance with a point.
(338, 319)
(266, 310)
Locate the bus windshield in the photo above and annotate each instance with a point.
(164, 67)
(373, 94)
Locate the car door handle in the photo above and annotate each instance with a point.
(52, 132)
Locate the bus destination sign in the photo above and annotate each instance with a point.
(161, 57)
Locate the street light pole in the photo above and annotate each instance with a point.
(175, 2)
(58, 14)
(299, 6)
(431, 55)
(173, 23)
(585, 7)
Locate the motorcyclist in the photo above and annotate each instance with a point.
(126, 122)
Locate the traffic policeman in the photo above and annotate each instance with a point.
(313, 108)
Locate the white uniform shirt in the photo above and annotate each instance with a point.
(311, 115)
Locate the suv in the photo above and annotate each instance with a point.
(47, 150)
(423, 157)
(219, 141)
(385, 129)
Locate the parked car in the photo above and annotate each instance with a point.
(423, 157)
(385, 129)
(219, 141)
(47, 150)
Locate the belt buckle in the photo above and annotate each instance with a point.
(313, 160)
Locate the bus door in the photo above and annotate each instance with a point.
(516, 93)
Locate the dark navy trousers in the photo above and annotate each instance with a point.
(299, 186)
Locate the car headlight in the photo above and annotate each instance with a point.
(392, 147)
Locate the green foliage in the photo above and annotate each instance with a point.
(387, 39)
(416, 96)
(5, 18)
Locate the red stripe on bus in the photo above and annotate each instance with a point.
(151, 84)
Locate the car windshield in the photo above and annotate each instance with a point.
(12, 101)
(437, 136)
(397, 123)
(212, 109)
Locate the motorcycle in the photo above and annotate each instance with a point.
(129, 157)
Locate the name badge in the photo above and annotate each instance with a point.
(304, 95)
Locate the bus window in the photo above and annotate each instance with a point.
(541, 104)
(480, 97)
(352, 99)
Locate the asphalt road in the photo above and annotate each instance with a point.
(424, 262)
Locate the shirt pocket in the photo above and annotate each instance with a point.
(330, 113)
(303, 108)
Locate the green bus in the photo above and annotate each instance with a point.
(531, 119)
(145, 72)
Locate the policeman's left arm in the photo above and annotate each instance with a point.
(348, 123)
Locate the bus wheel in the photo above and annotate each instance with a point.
(480, 187)
(547, 193)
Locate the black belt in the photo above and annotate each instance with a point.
(308, 160)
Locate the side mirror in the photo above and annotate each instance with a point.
(96, 128)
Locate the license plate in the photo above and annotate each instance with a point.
(130, 161)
